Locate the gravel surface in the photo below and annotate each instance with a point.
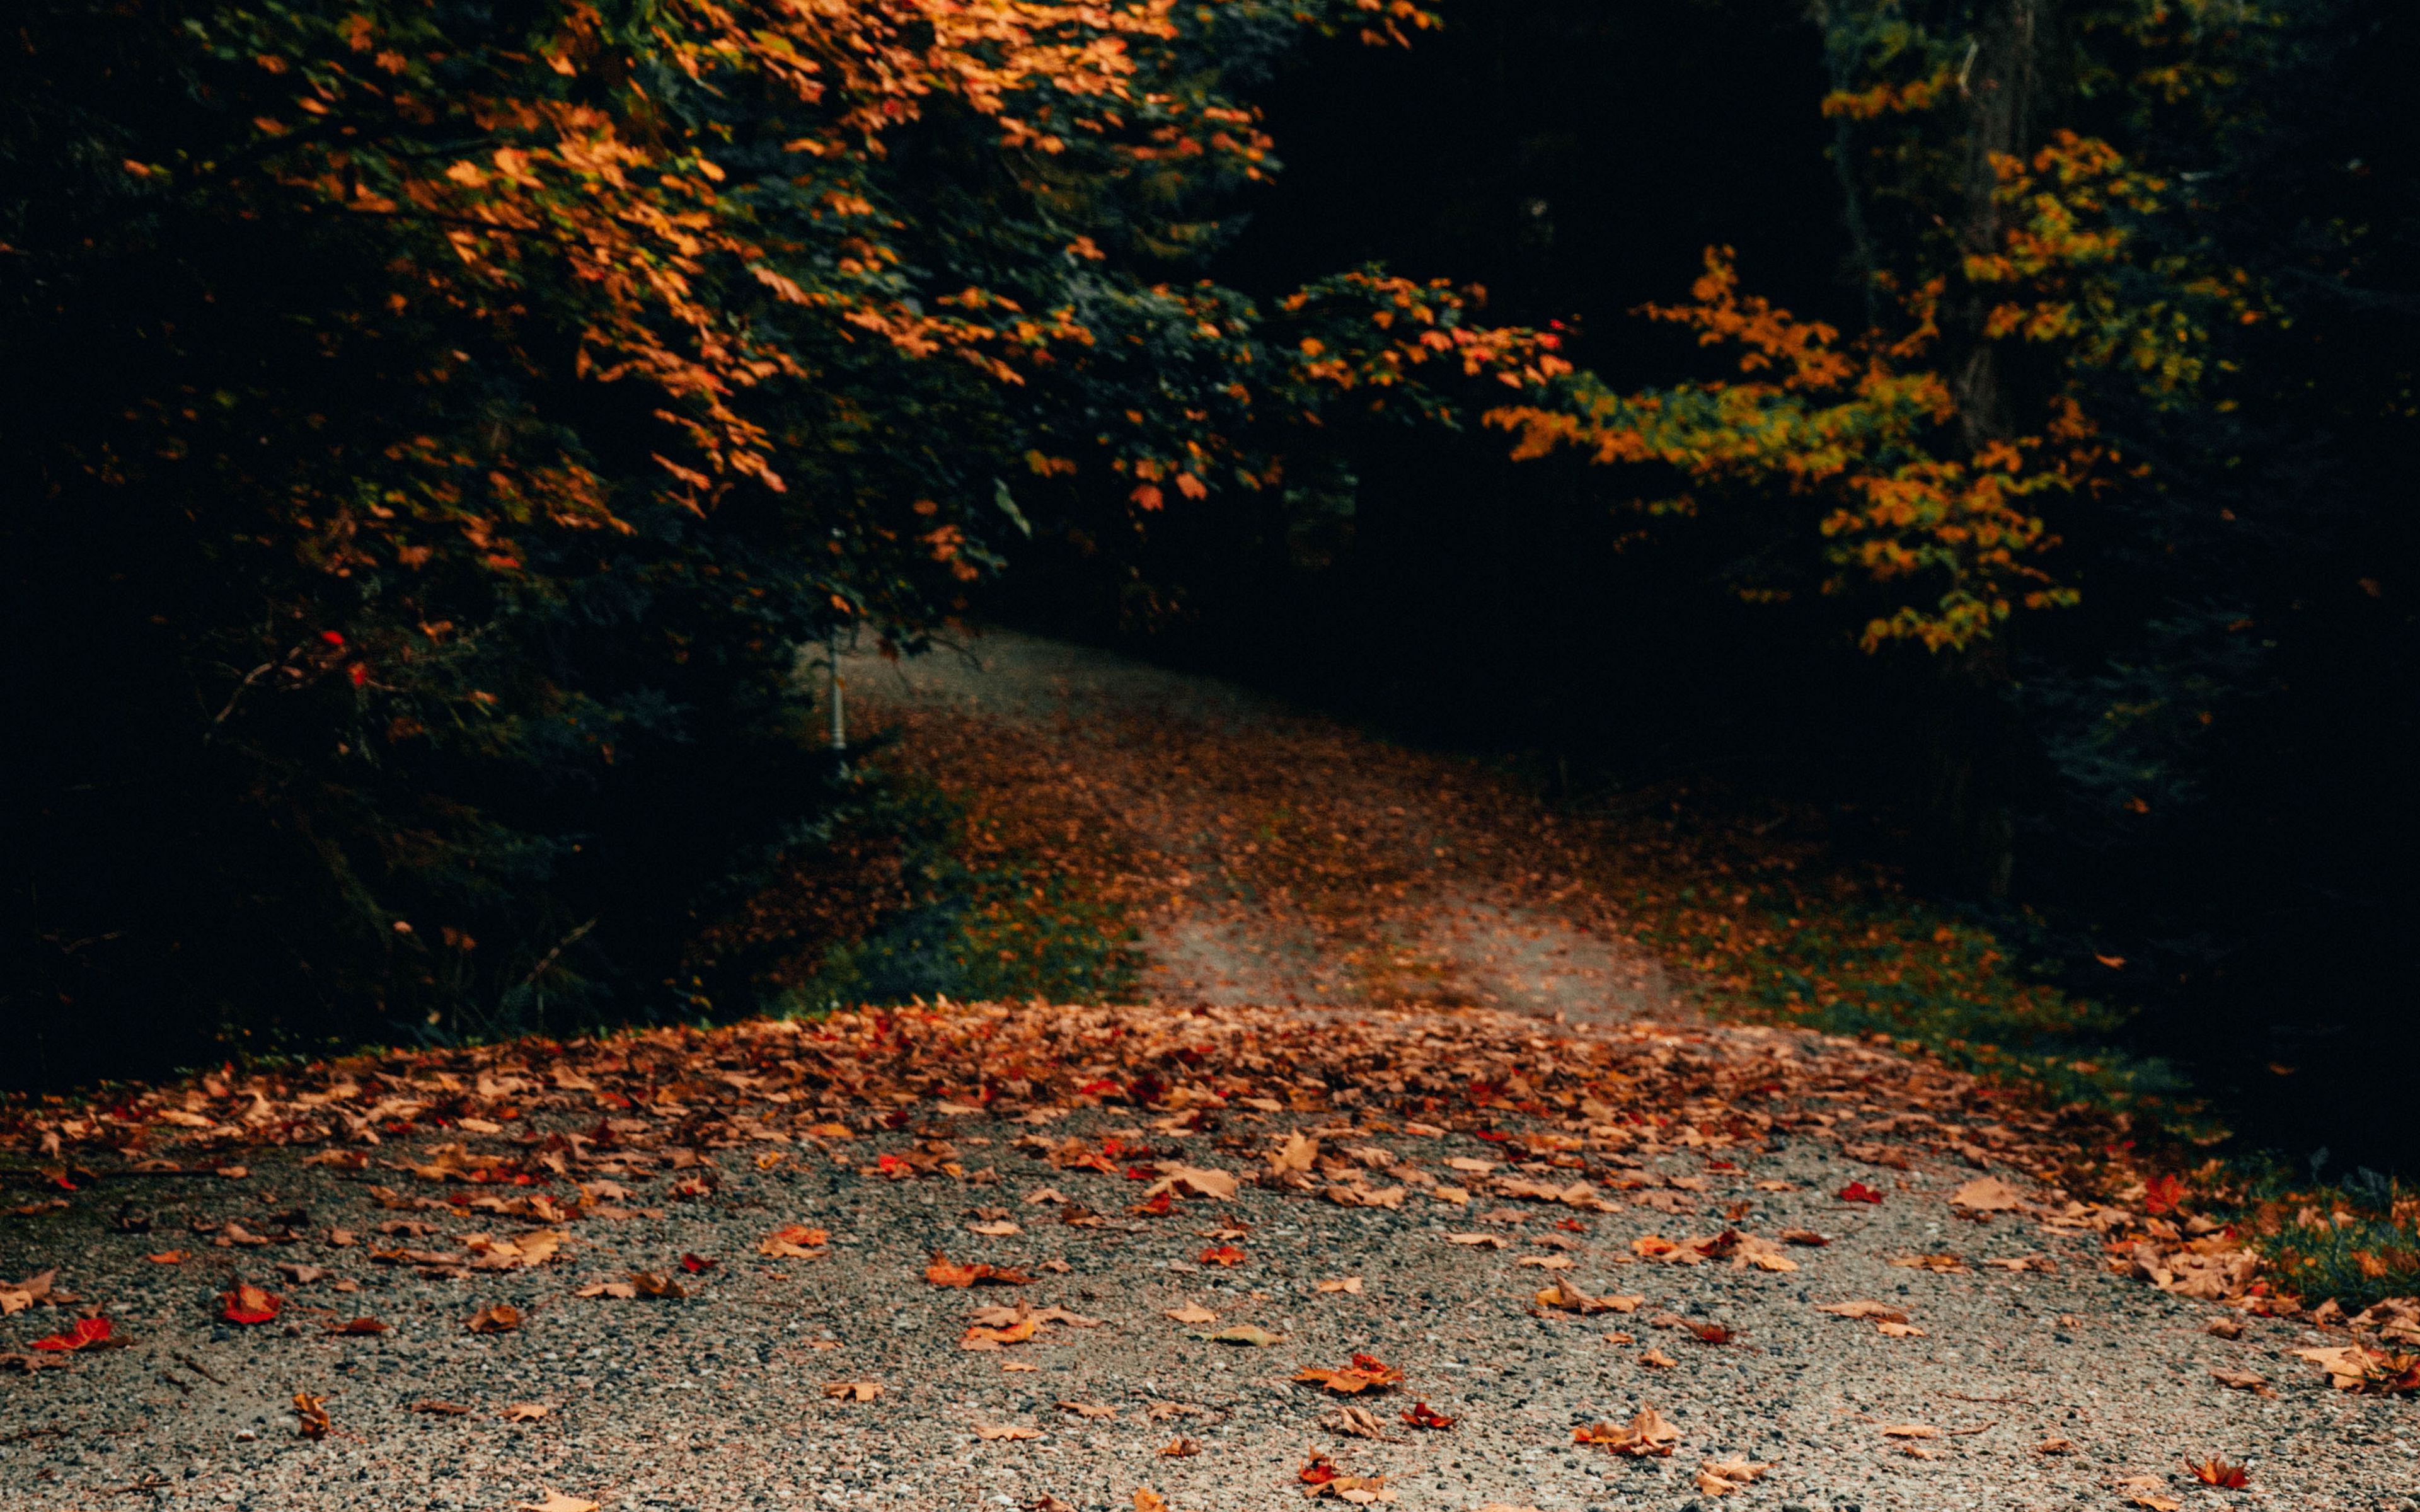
(717, 1400)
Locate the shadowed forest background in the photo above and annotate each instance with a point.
(311, 634)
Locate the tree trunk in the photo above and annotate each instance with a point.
(1975, 734)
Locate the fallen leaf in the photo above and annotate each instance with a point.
(1987, 1193)
(622, 1291)
(1191, 1313)
(2056, 1446)
(250, 1304)
(1421, 1415)
(697, 1264)
(1910, 1430)
(171, 1256)
(1088, 1409)
(436, 1409)
(1898, 1331)
(302, 1275)
(1544, 1262)
(1350, 1285)
(310, 1415)
(853, 1390)
(1937, 1264)
(358, 1326)
(1358, 1421)
(794, 1242)
(1252, 1334)
(2145, 1492)
(1147, 1500)
(992, 1432)
(1721, 1477)
(1223, 1254)
(1658, 1359)
(500, 1318)
(1180, 1448)
(2242, 1380)
(1363, 1374)
(942, 1273)
(87, 1332)
(1863, 1309)
(2358, 1368)
(1803, 1236)
(1649, 1433)
(556, 1502)
(524, 1411)
(1858, 1192)
(2220, 1472)
(997, 1228)
(1489, 1241)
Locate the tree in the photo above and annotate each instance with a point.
(437, 425)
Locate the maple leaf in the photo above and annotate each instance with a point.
(696, 1264)
(1248, 1334)
(358, 1326)
(1421, 1415)
(993, 1432)
(1364, 1374)
(1088, 1409)
(1223, 1254)
(942, 1273)
(89, 1332)
(250, 1304)
(498, 1318)
(795, 1241)
(1858, 1192)
(2217, 1471)
(1648, 1433)
(1720, 1477)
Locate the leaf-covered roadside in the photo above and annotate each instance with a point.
(1369, 848)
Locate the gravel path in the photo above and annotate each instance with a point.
(1466, 1160)
(719, 1400)
(1271, 855)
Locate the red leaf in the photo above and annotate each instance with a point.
(87, 1333)
(249, 1305)
(1858, 1192)
(1421, 1415)
(696, 1264)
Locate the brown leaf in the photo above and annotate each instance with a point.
(1180, 1448)
(991, 1432)
(524, 1411)
(499, 1318)
(1987, 1193)
(1350, 1285)
(1363, 1374)
(853, 1390)
(1191, 1313)
(441, 1409)
(310, 1415)
(1910, 1430)
(1720, 1477)
(357, 1327)
(1088, 1409)
(556, 1502)
(1658, 1359)
(1358, 1421)
(1649, 1433)
(1863, 1309)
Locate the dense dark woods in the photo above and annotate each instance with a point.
(435, 429)
(2201, 767)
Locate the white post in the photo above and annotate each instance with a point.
(839, 719)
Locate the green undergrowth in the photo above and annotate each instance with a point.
(1882, 966)
(998, 928)
(2356, 1239)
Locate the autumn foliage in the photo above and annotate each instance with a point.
(439, 428)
